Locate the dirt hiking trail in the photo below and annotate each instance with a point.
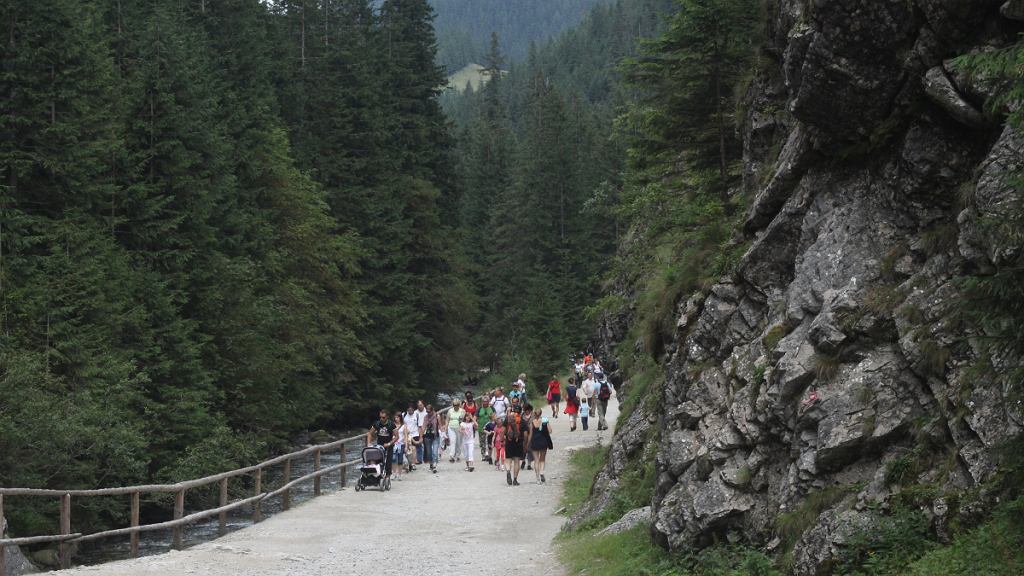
(445, 524)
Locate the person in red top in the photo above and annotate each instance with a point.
(470, 405)
(554, 395)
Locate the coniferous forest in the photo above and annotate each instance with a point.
(220, 223)
(223, 223)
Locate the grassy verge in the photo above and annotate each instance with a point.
(995, 548)
(584, 552)
(583, 465)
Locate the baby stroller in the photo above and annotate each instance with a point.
(371, 473)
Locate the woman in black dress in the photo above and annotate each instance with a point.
(514, 447)
(540, 442)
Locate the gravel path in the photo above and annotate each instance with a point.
(428, 524)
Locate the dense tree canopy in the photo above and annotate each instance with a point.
(220, 223)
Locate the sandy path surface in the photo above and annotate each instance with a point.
(450, 523)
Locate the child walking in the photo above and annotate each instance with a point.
(468, 428)
(499, 446)
(584, 410)
(572, 406)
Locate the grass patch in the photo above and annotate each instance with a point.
(775, 335)
(882, 299)
(826, 367)
(934, 357)
(633, 553)
(995, 548)
(792, 525)
(888, 547)
(940, 239)
(583, 467)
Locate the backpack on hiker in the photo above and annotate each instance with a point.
(570, 393)
(605, 391)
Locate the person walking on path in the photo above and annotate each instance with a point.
(382, 433)
(468, 430)
(590, 389)
(412, 426)
(514, 447)
(421, 421)
(455, 416)
(519, 386)
(400, 439)
(485, 416)
(554, 395)
(584, 411)
(605, 390)
(431, 439)
(572, 406)
(540, 443)
(469, 405)
(528, 412)
(500, 403)
(499, 445)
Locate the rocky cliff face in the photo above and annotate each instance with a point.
(832, 362)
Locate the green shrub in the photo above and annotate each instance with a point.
(995, 548)
(888, 547)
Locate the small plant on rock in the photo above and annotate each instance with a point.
(775, 335)
(826, 367)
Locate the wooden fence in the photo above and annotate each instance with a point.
(66, 537)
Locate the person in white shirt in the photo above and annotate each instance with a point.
(421, 423)
(589, 389)
(500, 403)
(413, 432)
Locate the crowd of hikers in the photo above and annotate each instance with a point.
(501, 427)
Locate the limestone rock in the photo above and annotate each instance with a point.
(1013, 9)
(629, 520)
(822, 544)
(16, 563)
(940, 89)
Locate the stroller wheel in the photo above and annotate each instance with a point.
(387, 484)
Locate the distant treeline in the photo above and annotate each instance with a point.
(464, 27)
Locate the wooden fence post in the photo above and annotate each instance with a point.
(287, 497)
(65, 529)
(135, 524)
(344, 469)
(222, 528)
(3, 549)
(316, 468)
(179, 512)
(257, 507)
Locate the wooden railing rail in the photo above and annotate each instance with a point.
(66, 538)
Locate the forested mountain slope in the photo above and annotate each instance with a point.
(464, 27)
(540, 173)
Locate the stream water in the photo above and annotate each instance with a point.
(158, 542)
